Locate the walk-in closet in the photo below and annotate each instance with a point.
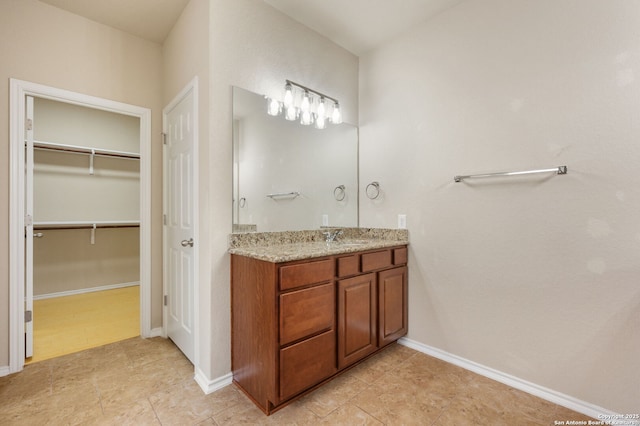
(85, 195)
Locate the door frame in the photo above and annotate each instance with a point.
(191, 87)
(19, 89)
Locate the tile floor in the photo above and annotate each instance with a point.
(149, 382)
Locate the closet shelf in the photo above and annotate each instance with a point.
(86, 224)
(53, 146)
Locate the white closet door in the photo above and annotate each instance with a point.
(179, 227)
(28, 290)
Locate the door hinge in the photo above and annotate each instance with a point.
(28, 316)
(29, 124)
(28, 220)
(164, 138)
(164, 219)
(166, 300)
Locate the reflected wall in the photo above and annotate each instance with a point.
(275, 159)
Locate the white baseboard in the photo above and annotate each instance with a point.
(85, 290)
(5, 370)
(156, 332)
(210, 386)
(515, 382)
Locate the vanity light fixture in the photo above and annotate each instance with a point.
(308, 105)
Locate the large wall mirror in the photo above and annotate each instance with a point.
(290, 177)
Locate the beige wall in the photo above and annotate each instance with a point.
(255, 47)
(185, 56)
(535, 277)
(46, 45)
(63, 188)
(65, 260)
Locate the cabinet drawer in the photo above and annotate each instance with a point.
(302, 274)
(376, 260)
(348, 265)
(306, 363)
(400, 256)
(306, 312)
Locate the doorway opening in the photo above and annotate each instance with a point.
(80, 221)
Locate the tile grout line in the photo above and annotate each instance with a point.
(155, 413)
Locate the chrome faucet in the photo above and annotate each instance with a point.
(332, 236)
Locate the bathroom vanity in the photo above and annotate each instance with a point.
(302, 312)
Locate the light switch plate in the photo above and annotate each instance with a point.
(402, 221)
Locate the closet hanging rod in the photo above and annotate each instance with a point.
(52, 146)
(51, 228)
(560, 170)
(85, 225)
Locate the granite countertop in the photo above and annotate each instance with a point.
(286, 246)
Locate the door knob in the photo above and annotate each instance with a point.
(188, 242)
(38, 235)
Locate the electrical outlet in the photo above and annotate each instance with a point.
(402, 221)
(325, 220)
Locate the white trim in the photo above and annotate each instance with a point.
(192, 87)
(210, 386)
(157, 332)
(18, 90)
(16, 226)
(84, 290)
(540, 391)
(5, 370)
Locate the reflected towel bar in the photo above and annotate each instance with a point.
(560, 170)
(293, 194)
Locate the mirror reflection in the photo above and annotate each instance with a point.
(290, 177)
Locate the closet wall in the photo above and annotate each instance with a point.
(69, 193)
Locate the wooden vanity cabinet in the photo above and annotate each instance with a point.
(372, 305)
(294, 325)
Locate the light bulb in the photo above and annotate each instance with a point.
(291, 113)
(288, 95)
(306, 118)
(321, 110)
(336, 117)
(273, 107)
(321, 122)
(305, 106)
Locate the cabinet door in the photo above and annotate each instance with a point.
(356, 318)
(392, 305)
